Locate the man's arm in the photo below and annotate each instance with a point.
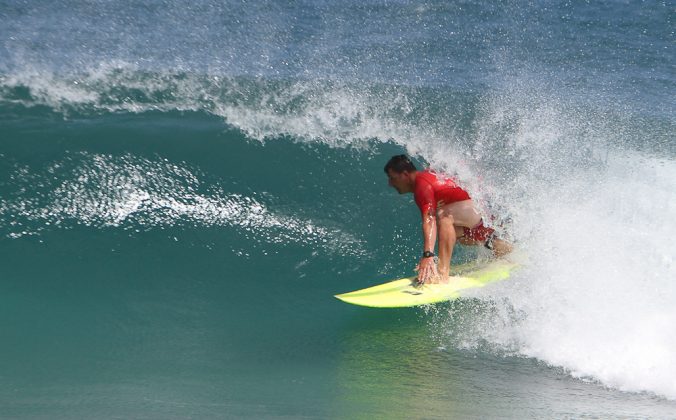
(427, 269)
(429, 228)
(424, 198)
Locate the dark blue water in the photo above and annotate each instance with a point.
(184, 187)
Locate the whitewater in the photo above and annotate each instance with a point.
(250, 140)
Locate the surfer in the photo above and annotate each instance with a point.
(448, 213)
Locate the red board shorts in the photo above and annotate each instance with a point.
(479, 233)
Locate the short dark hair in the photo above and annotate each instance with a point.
(399, 164)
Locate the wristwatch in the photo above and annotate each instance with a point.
(428, 254)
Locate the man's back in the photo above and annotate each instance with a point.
(432, 190)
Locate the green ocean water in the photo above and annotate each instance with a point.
(190, 312)
(183, 189)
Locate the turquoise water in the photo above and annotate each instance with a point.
(183, 189)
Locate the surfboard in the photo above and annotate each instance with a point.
(405, 292)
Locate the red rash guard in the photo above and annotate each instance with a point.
(432, 190)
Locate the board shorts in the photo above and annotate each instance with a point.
(480, 233)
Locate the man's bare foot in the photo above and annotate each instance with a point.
(501, 247)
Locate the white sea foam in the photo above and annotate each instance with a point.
(337, 114)
(597, 297)
(136, 193)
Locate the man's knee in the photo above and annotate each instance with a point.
(446, 223)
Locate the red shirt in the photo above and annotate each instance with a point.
(433, 190)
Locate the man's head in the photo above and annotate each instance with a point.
(401, 173)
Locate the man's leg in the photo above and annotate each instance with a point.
(450, 221)
(446, 235)
(500, 247)
(453, 221)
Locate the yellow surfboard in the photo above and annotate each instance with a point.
(405, 292)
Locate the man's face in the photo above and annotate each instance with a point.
(399, 181)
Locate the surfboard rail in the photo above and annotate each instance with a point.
(406, 292)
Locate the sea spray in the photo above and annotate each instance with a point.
(594, 218)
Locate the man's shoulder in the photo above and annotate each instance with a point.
(427, 175)
(424, 181)
(435, 180)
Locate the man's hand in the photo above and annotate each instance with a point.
(427, 270)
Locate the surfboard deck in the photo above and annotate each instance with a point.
(405, 292)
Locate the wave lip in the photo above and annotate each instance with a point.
(333, 112)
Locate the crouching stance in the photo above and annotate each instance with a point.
(448, 214)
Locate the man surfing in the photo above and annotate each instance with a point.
(448, 213)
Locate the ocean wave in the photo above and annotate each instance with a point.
(582, 184)
(336, 113)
